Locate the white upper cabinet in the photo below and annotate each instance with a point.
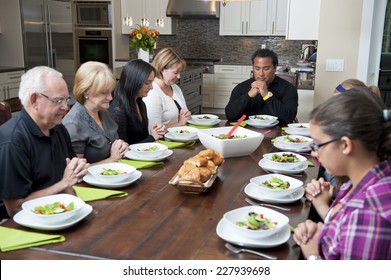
(303, 20)
(254, 18)
(152, 10)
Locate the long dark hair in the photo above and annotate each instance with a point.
(133, 77)
(360, 115)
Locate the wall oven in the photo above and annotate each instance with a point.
(93, 45)
(92, 14)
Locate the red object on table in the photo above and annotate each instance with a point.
(236, 126)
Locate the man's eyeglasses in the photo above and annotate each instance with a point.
(57, 101)
(316, 147)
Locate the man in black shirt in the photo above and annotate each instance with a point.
(264, 93)
(36, 152)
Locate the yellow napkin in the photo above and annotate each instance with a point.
(139, 164)
(14, 239)
(243, 124)
(173, 145)
(90, 194)
(273, 140)
(201, 126)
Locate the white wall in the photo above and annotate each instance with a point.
(347, 30)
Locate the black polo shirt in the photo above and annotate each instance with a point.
(30, 161)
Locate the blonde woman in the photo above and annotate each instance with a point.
(93, 132)
(165, 102)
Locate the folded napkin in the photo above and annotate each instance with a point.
(310, 163)
(201, 126)
(243, 124)
(90, 194)
(173, 145)
(14, 239)
(138, 164)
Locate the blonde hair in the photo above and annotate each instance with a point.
(93, 77)
(352, 83)
(167, 58)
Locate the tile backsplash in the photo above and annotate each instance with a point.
(199, 38)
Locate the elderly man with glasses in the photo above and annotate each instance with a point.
(36, 152)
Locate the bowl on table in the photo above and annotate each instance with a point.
(183, 132)
(262, 119)
(113, 172)
(237, 219)
(296, 142)
(276, 185)
(244, 141)
(53, 209)
(148, 150)
(204, 118)
(299, 128)
(284, 160)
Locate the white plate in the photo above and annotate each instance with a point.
(252, 191)
(171, 137)
(134, 156)
(281, 146)
(89, 179)
(225, 232)
(289, 131)
(257, 125)
(212, 123)
(24, 219)
(266, 166)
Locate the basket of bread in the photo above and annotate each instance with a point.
(197, 173)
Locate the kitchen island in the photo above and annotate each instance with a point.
(158, 222)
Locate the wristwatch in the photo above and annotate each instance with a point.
(269, 94)
(314, 257)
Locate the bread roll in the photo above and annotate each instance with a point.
(205, 174)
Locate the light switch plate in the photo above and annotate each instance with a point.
(334, 65)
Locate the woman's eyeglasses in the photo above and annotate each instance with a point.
(316, 147)
(57, 101)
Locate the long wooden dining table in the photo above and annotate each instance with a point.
(158, 222)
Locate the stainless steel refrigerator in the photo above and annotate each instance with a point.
(47, 36)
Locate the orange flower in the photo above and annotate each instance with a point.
(143, 38)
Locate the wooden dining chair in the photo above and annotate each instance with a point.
(14, 103)
(5, 112)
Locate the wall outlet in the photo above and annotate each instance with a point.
(334, 65)
(263, 46)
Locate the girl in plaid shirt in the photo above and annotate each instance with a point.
(352, 137)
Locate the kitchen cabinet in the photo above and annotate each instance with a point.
(254, 18)
(226, 77)
(207, 90)
(191, 85)
(152, 10)
(306, 104)
(9, 84)
(303, 20)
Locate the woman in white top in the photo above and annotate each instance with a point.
(165, 102)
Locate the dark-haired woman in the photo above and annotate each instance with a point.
(128, 108)
(352, 137)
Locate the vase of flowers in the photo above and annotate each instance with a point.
(143, 41)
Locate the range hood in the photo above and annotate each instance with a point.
(193, 9)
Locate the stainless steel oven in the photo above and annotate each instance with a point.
(92, 14)
(93, 45)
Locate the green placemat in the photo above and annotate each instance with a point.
(14, 239)
(243, 124)
(199, 126)
(174, 144)
(310, 163)
(90, 194)
(139, 164)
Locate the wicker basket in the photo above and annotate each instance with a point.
(192, 187)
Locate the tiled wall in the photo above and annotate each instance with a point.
(199, 38)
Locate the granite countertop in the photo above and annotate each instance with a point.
(4, 69)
